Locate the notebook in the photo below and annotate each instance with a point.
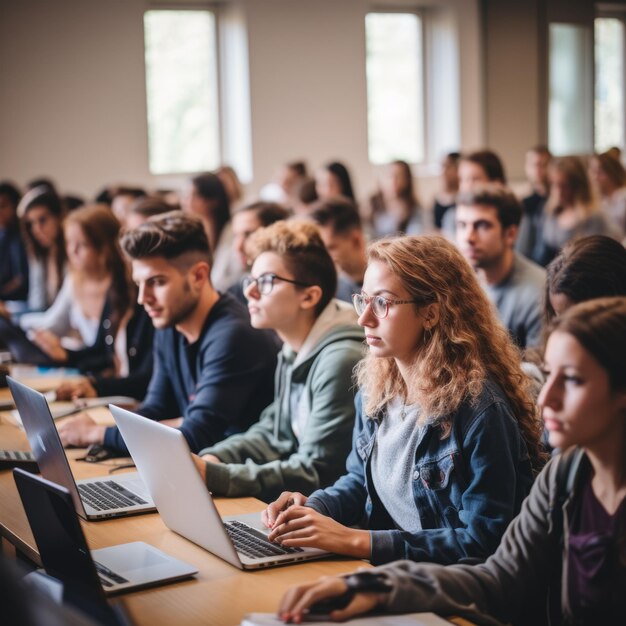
(94, 498)
(164, 461)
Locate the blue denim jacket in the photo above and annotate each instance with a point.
(467, 486)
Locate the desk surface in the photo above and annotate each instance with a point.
(219, 595)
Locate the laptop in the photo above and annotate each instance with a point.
(22, 349)
(94, 498)
(65, 554)
(186, 505)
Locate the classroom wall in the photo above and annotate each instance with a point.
(73, 106)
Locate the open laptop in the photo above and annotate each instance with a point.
(94, 498)
(65, 554)
(186, 505)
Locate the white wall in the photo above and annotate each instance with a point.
(73, 98)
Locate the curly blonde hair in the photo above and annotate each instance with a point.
(467, 347)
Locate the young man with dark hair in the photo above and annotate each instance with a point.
(210, 366)
(303, 437)
(339, 223)
(487, 225)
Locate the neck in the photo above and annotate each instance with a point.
(405, 367)
(357, 272)
(609, 471)
(192, 325)
(500, 269)
(295, 334)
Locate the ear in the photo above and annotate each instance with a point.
(310, 296)
(510, 234)
(357, 240)
(199, 273)
(430, 314)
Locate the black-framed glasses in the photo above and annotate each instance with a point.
(379, 304)
(265, 282)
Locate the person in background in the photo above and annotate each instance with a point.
(245, 222)
(303, 436)
(13, 261)
(446, 436)
(208, 200)
(476, 168)
(446, 195)
(339, 223)
(609, 176)
(536, 166)
(571, 210)
(144, 208)
(212, 371)
(563, 559)
(121, 202)
(334, 180)
(487, 226)
(232, 184)
(395, 208)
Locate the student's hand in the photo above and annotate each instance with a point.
(211, 458)
(284, 501)
(81, 431)
(76, 389)
(303, 527)
(200, 466)
(297, 600)
(50, 344)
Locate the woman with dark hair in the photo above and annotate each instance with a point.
(609, 176)
(334, 180)
(395, 207)
(563, 559)
(41, 212)
(13, 263)
(208, 200)
(446, 196)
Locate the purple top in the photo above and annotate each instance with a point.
(597, 561)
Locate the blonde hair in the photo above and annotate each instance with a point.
(468, 345)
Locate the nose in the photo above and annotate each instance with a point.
(549, 396)
(251, 292)
(143, 294)
(367, 319)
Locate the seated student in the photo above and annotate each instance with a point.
(210, 366)
(144, 208)
(446, 196)
(609, 176)
(122, 200)
(245, 222)
(303, 436)
(334, 180)
(443, 416)
(487, 225)
(563, 559)
(339, 224)
(13, 262)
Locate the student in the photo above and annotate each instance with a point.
(13, 262)
(487, 225)
(571, 210)
(446, 196)
(121, 202)
(339, 223)
(443, 415)
(563, 559)
(144, 208)
(334, 180)
(210, 366)
(303, 436)
(609, 176)
(395, 208)
(41, 212)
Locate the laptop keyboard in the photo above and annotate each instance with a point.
(108, 494)
(16, 455)
(106, 575)
(253, 543)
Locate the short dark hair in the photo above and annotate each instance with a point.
(340, 214)
(300, 246)
(499, 197)
(11, 192)
(266, 212)
(149, 206)
(490, 162)
(299, 167)
(170, 236)
(585, 269)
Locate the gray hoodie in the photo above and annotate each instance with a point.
(303, 438)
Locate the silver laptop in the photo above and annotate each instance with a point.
(185, 504)
(94, 498)
(66, 556)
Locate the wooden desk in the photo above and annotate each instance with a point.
(219, 595)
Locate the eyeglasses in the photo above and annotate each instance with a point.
(265, 282)
(380, 305)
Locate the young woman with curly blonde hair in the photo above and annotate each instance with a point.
(446, 437)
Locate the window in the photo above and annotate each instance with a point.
(181, 89)
(609, 88)
(395, 93)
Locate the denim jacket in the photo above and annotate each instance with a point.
(467, 486)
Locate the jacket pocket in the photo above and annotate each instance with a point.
(438, 479)
(436, 475)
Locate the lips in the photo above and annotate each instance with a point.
(372, 339)
(552, 424)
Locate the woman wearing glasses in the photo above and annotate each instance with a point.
(303, 437)
(446, 437)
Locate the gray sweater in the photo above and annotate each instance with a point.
(303, 438)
